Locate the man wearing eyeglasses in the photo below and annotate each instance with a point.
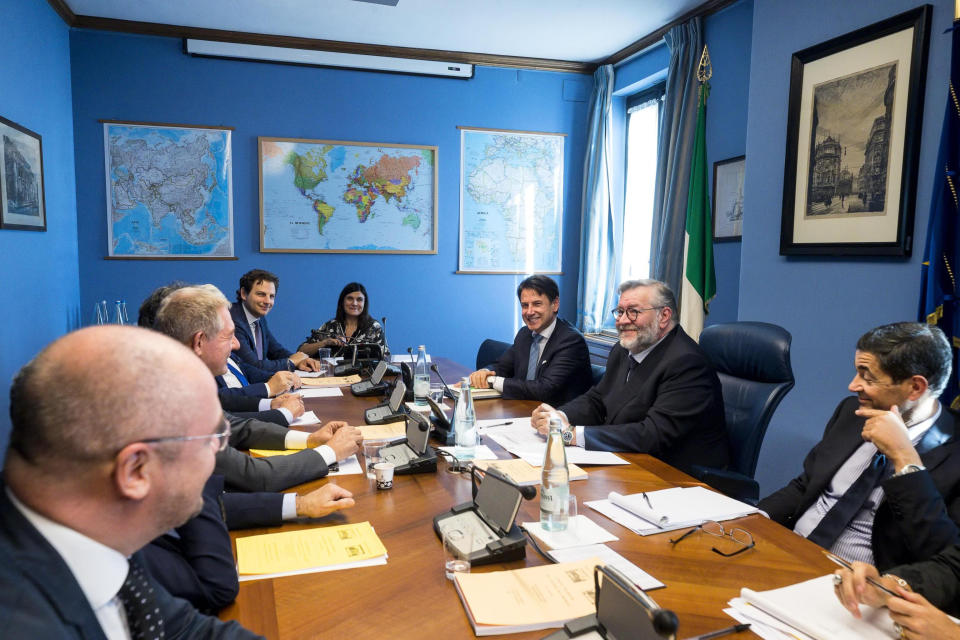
(548, 359)
(659, 394)
(199, 317)
(883, 485)
(95, 471)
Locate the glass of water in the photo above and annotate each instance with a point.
(457, 545)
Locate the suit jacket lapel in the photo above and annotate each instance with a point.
(943, 430)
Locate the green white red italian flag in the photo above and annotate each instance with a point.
(700, 280)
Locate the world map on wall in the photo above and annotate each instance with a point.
(168, 191)
(511, 191)
(318, 195)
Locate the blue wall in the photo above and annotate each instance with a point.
(142, 78)
(40, 269)
(826, 303)
(727, 35)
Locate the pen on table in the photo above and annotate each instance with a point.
(846, 565)
(499, 424)
(737, 628)
(646, 499)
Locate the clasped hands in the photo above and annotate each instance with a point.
(339, 436)
(540, 420)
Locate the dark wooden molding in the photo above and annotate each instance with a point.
(220, 35)
(707, 8)
(65, 12)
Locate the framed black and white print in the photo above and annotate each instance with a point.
(853, 140)
(22, 204)
(728, 199)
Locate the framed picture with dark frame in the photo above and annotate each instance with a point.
(728, 199)
(853, 140)
(22, 202)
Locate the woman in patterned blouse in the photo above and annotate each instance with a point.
(352, 325)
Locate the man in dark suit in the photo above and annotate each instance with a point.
(198, 317)
(81, 496)
(659, 394)
(883, 485)
(257, 346)
(549, 360)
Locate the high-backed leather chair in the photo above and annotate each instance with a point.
(489, 351)
(752, 360)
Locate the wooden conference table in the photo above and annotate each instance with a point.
(409, 597)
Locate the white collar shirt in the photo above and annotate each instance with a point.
(99, 570)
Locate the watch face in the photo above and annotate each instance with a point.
(567, 436)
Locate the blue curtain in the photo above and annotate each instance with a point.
(677, 128)
(601, 229)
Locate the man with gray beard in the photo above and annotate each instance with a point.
(659, 395)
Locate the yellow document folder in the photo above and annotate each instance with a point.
(329, 547)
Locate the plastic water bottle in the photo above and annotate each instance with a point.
(421, 378)
(555, 481)
(119, 312)
(465, 424)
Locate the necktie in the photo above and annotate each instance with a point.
(534, 356)
(840, 515)
(258, 339)
(236, 372)
(630, 367)
(139, 603)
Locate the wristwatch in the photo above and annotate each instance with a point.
(567, 436)
(909, 468)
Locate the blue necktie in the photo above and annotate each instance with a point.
(235, 371)
(534, 356)
(843, 511)
(258, 339)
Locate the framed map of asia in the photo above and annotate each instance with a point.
(169, 191)
(329, 196)
(511, 201)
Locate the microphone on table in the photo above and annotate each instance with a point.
(529, 492)
(386, 346)
(446, 389)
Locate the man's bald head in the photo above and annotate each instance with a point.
(92, 392)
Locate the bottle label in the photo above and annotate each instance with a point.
(548, 500)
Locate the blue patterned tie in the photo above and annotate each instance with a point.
(843, 511)
(258, 339)
(139, 603)
(534, 356)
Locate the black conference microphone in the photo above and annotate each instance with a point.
(446, 389)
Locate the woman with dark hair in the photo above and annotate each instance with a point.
(351, 325)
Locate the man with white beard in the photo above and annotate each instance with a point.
(659, 395)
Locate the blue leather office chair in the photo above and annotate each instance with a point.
(489, 351)
(597, 371)
(752, 360)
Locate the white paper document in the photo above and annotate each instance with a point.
(321, 392)
(349, 467)
(581, 531)
(309, 374)
(635, 574)
(670, 509)
(483, 452)
(812, 608)
(307, 418)
(520, 439)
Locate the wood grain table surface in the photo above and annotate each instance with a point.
(409, 597)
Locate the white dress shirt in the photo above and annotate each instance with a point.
(98, 569)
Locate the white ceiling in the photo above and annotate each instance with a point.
(577, 30)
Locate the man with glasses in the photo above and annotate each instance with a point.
(199, 317)
(659, 395)
(883, 485)
(548, 360)
(94, 472)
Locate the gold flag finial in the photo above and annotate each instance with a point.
(705, 70)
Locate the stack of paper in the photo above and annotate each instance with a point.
(308, 551)
(320, 392)
(524, 473)
(520, 439)
(610, 558)
(389, 431)
(330, 381)
(527, 599)
(308, 418)
(581, 531)
(670, 509)
(808, 610)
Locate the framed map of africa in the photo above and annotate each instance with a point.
(169, 191)
(330, 196)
